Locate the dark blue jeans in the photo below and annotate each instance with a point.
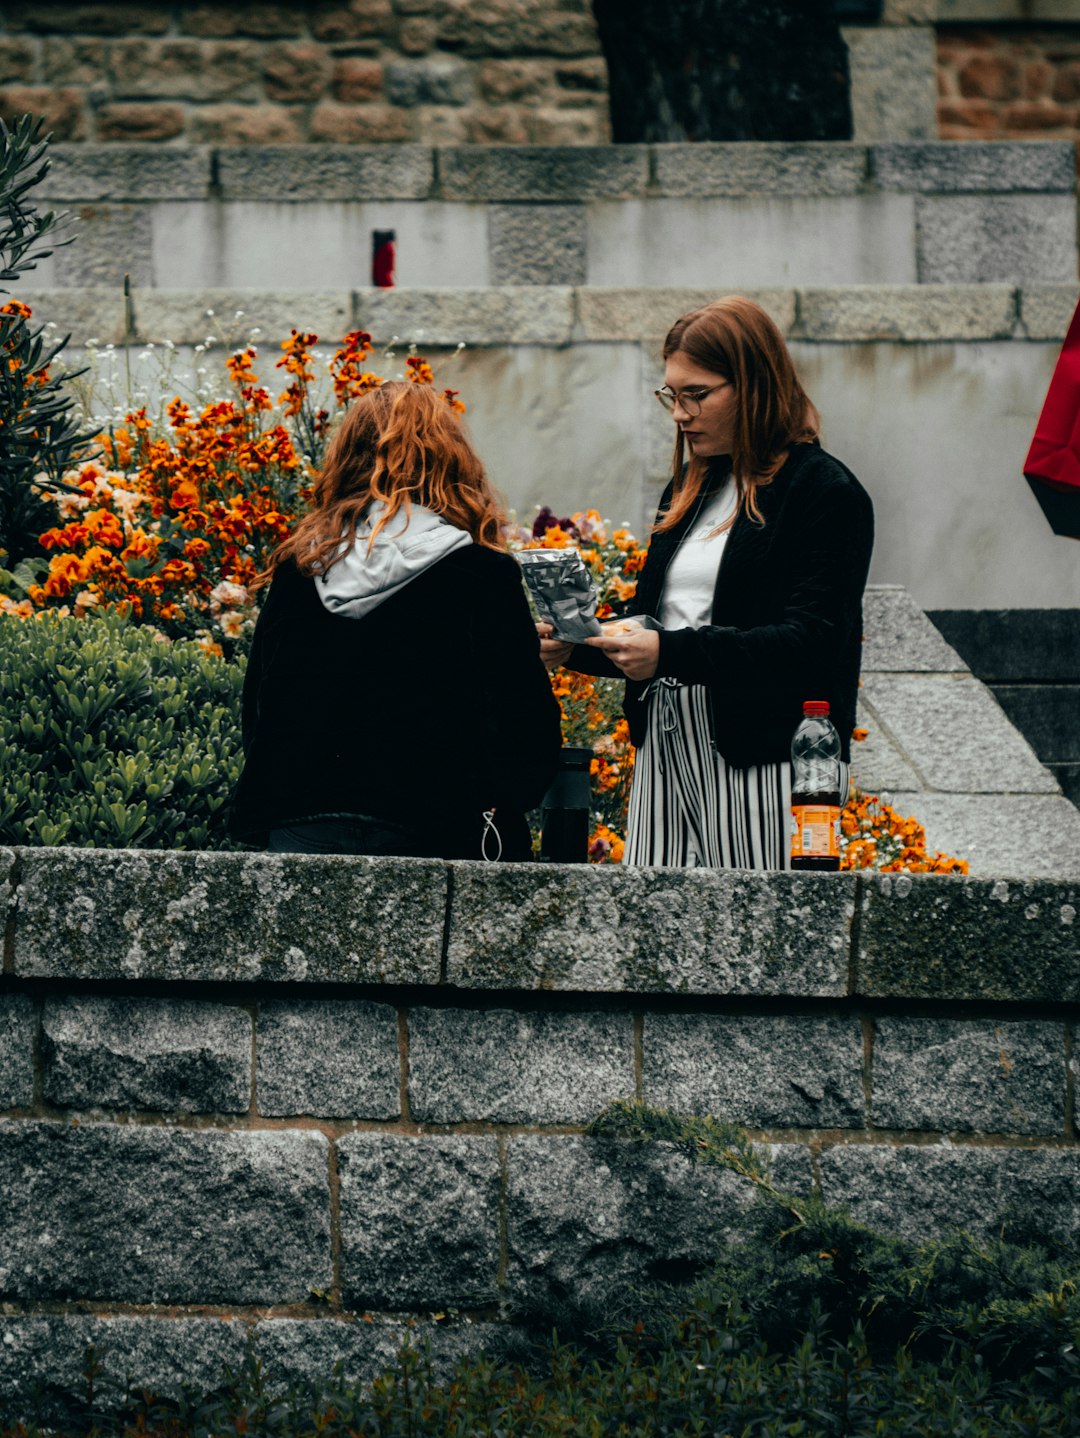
(355, 834)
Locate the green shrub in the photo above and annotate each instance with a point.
(40, 436)
(1012, 1298)
(811, 1325)
(112, 738)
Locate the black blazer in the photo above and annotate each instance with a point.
(426, 712)
(786, 614)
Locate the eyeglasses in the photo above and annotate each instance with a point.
(690, 399)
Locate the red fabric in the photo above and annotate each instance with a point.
(1054, 456)
(382, 265)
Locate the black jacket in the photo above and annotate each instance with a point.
(426, 712)
(786, 615)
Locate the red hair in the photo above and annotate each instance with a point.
(734, 337)
(400, 444)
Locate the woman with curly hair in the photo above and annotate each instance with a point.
(395, 702)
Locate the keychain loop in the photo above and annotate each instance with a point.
(489, 828)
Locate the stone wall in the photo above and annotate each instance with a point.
(440, 71)
(930, 393)
(261, 1099)
(452, 71)
(1019, 83)
(648, 215)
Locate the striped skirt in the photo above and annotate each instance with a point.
(689, 808)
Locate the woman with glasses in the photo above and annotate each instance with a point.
(374, 719)
(756, 570)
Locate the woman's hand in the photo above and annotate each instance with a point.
(635, 652)
(552, 651)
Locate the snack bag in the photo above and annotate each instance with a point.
(563, 592)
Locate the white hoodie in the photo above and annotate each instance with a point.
(408, 545)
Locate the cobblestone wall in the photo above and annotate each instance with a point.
(347, 1089)
(441, 71)
(466, 71)
(1012, 83)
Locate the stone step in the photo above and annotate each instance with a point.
(1014, 646)
(720, 215)
(1048, 715)
(554, 315)
(1068, 776)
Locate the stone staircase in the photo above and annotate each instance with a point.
(942, 748)
(1030, 659)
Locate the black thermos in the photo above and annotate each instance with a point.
(564, 818)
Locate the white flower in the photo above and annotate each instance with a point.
(232, 624)
(228, 593)
(127, 501)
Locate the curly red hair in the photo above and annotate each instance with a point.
(400, 444)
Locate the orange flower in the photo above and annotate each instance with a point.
(184, 496)
(104, 526)
(419, 371)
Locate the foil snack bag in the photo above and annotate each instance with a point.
(563, 592)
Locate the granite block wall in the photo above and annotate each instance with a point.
(625, 215)
(229, 1125)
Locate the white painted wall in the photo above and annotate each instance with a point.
(936, 432)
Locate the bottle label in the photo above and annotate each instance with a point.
(815, 831)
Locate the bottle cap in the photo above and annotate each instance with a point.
(815, 706)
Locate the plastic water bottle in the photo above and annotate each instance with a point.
(815, 790)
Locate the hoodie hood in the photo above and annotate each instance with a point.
(408, 545)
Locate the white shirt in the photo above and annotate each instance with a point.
(691, 576)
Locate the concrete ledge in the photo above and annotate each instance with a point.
(325, 172)
(636, 314)
(526, 172)
(1045, 310)
(649, 930)
(102, 915)
(899, 639)
(976, 939)
(909, 313)
(192, 1133)
(555, 315)
(942, 166)
(508, 314)
(169, 315)
(707, 171)
(86, 172)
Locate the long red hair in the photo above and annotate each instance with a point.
(400, 444)
(734, 337)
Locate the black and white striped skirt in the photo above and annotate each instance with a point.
(689, 808)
